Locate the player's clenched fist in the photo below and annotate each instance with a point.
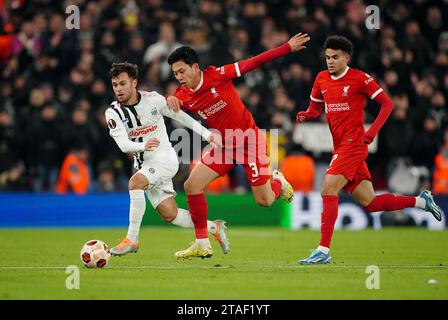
(174, 103)
(297, 42)
(151, 144)
(302, 116)
(368, 138)
(215, 140)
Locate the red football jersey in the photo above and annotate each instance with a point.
(216, 101)
(344, 97)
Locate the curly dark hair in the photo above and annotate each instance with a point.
(339, 43)
(120, 67)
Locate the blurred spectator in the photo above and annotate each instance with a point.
(396, 135)
(74, 175)
(159, 51)
(425, 144)
(107, 182)
(135, 50)
(59, 44)
(79, 131)
(440, 177)
(8, 141)
(298, 169)
(45, 148)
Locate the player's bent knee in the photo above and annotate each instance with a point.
(166, 214)
(167, 210)
(264, 201)
(168, 217)
(329, 191)
(369, 206)
(190, 187)
(137, 183)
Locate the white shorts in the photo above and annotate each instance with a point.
(160, 173)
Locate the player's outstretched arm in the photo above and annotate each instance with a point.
(174, 103)
(187, 121)
(295, 44)
(386, 108)
(314, 110)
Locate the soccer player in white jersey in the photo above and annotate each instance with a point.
(136, 124)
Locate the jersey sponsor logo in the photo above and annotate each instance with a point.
(335, 107)
(142, 131)
(368, 80)
(204, 114)
(345, 91)
(112, 124)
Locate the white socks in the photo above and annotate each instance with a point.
(136, 211)
(203, 243)
(183, 219)
(323, 249)
(420, 203)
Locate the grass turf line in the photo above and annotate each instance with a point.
(262, 264)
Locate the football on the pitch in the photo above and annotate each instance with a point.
(95, 254)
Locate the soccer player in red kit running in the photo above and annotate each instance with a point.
(210, 94)
(343, 90)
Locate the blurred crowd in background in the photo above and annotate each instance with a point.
(54, 87)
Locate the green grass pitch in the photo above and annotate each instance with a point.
(261, 265)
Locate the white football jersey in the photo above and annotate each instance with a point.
(132, 125)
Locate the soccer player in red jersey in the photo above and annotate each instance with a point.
(210, 94)
(343, 91)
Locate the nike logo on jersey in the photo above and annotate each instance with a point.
(324, 91)
(192, 104)
(253, 180)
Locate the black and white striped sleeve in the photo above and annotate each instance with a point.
(118, 132)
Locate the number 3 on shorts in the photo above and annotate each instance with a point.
(254, 168)
(334, 157)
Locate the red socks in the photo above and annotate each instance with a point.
(276, 186)
(329, 216)
(198, 211)
(383, 202)
(390, 202)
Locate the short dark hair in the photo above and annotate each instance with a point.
(185, 54)
(120, 67)
(339, 43)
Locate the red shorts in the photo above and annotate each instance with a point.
(251, 154)
(350, 162)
